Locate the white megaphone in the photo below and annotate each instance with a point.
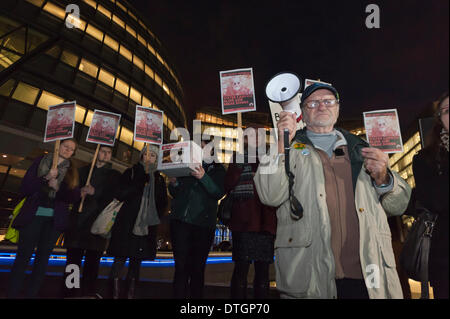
(283, 88)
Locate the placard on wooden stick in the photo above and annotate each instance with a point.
(102, 131)
(59, 126)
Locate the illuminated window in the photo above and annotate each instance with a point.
(25, 93)
(37, 3)
(121, 6)
(160, 58)
(126, 136)
(47, 99)
(93, 4)
(142, 40)
(158, 79)
(135, 95)
(104, 11)
(88, 68)
(170, 124)
(166, 88)
(151, 49)
(79, 113)
(94, 32)
(113, 44)
(119, 21)
(132, 15)
(76, 22)
(138, 62)
(106, 77)
(149, 71)
(146, 102)
(154, 106)
(138, 145)
(126, 53)
(165, 119)
(69, 58)
(130, 30)
(118, 131)
(7, 87)
(89, 116)
(122, 87)
(55, 10)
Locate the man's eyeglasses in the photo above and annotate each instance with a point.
(315, 103)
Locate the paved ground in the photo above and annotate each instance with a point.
(155, 283)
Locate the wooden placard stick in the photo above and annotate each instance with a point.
(56, 154)
(88, 181)
(239, 136)
(147, 167)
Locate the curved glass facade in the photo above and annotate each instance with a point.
(109, 61)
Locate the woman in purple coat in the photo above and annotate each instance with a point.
(44, 215)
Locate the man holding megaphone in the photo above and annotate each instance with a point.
(340, 244)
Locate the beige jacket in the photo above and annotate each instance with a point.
(304, 260)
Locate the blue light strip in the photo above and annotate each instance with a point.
(60, 260)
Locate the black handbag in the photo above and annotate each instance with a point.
(225, 209)
(416, 249)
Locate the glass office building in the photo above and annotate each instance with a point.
(101, 54)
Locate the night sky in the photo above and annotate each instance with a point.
(403, 64)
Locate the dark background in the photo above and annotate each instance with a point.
(402, 65)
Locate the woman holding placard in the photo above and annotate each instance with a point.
(44, 215)
(144, 193)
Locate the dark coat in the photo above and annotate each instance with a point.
(35, 189)
(249, 215)
(78, 234)
(195, 201)
(123, 242)
(432, 187)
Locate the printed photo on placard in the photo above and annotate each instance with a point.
(383, 130)
(148, 125)
(103, 129)
(60, 122)
(237, 91)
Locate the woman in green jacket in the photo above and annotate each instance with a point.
(192, 225)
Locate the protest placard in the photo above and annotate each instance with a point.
(237, 91)
(148, 125)
(383, 130)
(103, 129)
(60, 122)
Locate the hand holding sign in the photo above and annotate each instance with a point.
(376, 163)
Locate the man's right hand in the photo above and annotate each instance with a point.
(288, 121)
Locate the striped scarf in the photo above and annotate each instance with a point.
(244, 188)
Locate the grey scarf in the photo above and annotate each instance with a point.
(44, 167)
(148, 214)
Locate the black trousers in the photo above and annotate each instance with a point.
(260, 281)
(134, 267)
(191, 245)
(351, 289)
(41, 235)
(89, 270)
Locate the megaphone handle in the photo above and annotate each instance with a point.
(286, 140)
